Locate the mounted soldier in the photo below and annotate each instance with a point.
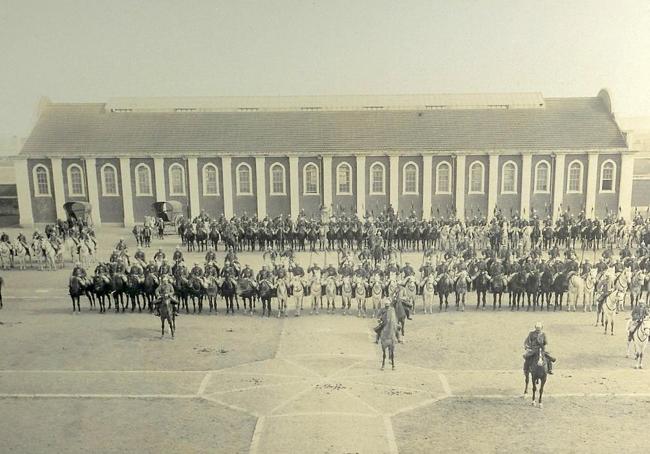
(535, 341)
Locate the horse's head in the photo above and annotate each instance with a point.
(540, 358)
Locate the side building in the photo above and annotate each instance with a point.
(436, 155)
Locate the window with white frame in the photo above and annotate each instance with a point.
(542, 177)
(143, 185)
(278, 179)
(210, 180)
(509, 178)
(443, 178)
(607, 176)
(343, 179)
(244, 179)
(310, 179)
(109, 180)
(477, 178)
(75, 180)
(41, 177)
(176, 179)
(410, 178)
(377, 179)
(574, 180)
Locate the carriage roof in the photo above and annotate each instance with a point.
(167, 210)
(77, 210)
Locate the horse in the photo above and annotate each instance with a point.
(166, 311)
(444, 286)
(19, 253)
(377, 291)
(590, 290)
(560, 287)
(428, 293)
(576, 292)
(481, 284)
(533, 280)
(639, 340)
(76, 288)
(228, 289)
(101, 287)
(609, 309)
(282, 294)
(214, 236)
(298, 291)
(411, 290)
(201, 239)
(330, 294)
(212, 292)
(346, 295)
(316, 293)
(636, 287)
(266, 293)
(119, 286)
(388, 336)
(538, 371)
(149, 288)
(247, 291)
(133, 290)
(5, 255)
(359, 287)
(147, 233)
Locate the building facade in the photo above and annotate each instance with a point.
(436, 155)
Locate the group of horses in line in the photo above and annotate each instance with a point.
(45, 253)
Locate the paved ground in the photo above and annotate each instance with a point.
(108, 383)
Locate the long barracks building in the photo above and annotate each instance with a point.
(435, 154)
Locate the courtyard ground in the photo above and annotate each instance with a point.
(109, 383)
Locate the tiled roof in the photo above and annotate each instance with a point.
(562, 124)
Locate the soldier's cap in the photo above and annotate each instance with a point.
(539, 325)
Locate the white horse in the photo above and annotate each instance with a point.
(609, 310)
(346, 294)
(85, 254)
(360, 295)
(428, 293)
(316, 290)
(411, 290)
(297, 286)
(377, 292)
(282, 294)
(330, 293)
(20, 254)
(576, 293)
(71, 246)
(590, 289)
(621, 285)
(5, 255)
(639, 340)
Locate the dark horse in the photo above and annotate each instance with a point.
(77, 289)
(538, 370)
(166, 311)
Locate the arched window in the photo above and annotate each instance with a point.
(543, 177)
(377, 179)
(143, 180)
(443, 178)
(477, 178)
(278, 180)
(343, 179)
(210, 179)
(607, 176)
(244, 179)
(310, 179)
(410, 174)
(75, 180)
(176, 179)
(509, 178)
(109, 180)
(41, 177)
(574, 180)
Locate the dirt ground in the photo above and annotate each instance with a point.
(109, 383)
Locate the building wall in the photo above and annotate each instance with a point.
(377, 203)
(541, 203)
(111, 208)
(509, 203)
(212, 204)
(347, 202)
(575, 202)
(409, 203)
(64, 167)
(43, 208)
(641, 184)
(277, 204)
(244, 204)
(142, 204)
(183, 199)
(310, 203)
(441, 202)
(476, 204)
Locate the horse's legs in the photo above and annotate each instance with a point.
(526, 375)
(541, 390)
(392, 356)
(383, 359)
(534, 389)
(162, 322)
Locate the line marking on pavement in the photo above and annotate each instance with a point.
(257, 435)
(283, 331)
(227, 405)
(73, 371)
(445, 384)
(420, 404)
(384, 385)
(390, 435)
(249, 388)
(295, 397)
(204, 384)
(324, 413)
(300, 366)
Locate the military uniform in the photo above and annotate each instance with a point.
(533, 342)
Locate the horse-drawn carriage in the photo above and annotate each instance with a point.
(78, 212)
(169, 213)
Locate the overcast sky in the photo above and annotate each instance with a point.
(85, 50)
